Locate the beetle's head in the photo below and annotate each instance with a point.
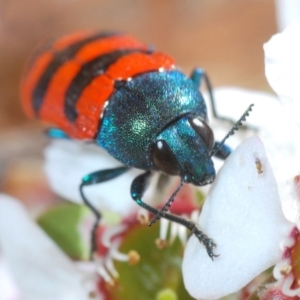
(183, 148)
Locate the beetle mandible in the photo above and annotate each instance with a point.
(133, 102)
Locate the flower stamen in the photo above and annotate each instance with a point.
(110, 233)
(182, 234)
(133, 257)
(286, 287)
(282, 269)
(142, 217)
(174, 232)
(163, 230)
(103, 273)
(161, 244)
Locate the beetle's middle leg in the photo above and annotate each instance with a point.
(138, 187)
(94, 178)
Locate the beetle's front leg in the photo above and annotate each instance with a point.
(138, 187)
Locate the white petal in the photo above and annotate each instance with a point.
(231, 103)
(287, 12)
(67, 162)
(38, 266)
(282, 65)
(8, 288)
(244, 217)
(275, 128)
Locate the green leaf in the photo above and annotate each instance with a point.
(64, 223)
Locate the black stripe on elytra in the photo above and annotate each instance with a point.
(60, 57)
(87, 73)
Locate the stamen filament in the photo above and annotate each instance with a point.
(286, 287)
(163, 230)
(110, 233)
(277, 271)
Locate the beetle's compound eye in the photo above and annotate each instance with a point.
(165, 159)
(204, 131)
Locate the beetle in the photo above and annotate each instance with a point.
(132, 101)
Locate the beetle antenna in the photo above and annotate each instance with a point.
(235, 127)
(167, 205)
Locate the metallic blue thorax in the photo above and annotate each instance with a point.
(141, 109)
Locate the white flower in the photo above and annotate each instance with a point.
(8, 290)
(242, 213)
(243, 210)
(282, 64)
(40, 269)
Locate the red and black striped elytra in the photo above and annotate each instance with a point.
(69, 83)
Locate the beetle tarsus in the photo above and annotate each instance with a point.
(207, 242)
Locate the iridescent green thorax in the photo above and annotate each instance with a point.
(141, 109)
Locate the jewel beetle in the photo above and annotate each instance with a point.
(132, 101)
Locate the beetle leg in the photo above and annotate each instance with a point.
(197, 76)
(94, 178)
(138, 187)
(56, 133)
